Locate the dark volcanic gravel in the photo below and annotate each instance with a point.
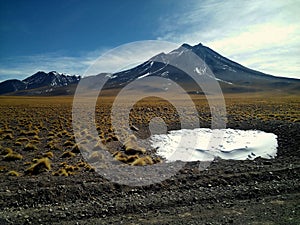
(227, 192)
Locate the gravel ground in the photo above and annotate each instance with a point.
(227, 192)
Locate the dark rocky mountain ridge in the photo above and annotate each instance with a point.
(46, 81)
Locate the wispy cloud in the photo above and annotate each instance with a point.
(24, 66)
(88, 63)
(250, 32)
(128, 55)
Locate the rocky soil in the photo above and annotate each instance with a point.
(227, 192)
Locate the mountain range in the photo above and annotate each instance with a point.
(38, 84)
(232, 77)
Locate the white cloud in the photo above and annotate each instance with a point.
(89, 63)
(24, 66)
(254, 38)
(250, 32)
(128, 55)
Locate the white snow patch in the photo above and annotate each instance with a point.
(165, 73)
(55, 73)
(110, 76)
(173, 52)
(145, 75)
(161, 68)
(49, 90)
(178, 53)
(204, 144)
(229, 68)
(200, 71)
(227, 82)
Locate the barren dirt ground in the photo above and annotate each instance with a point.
(70, 192)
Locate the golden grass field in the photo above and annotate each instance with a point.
(36, 133)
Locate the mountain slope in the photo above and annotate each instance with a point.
(52, 79)
(39, 83)
(11, 86)
(231, 76)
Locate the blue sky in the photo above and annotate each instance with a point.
(67, 36)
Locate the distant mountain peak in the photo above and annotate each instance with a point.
(40, 79)
(185, 45)
(198, 45)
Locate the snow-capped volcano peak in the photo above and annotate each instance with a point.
(229, 74)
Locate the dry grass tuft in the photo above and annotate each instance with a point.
(131, 146)
(143, 161)
(96, 157)
(8, 137)
(8, 131)
(61, 172)
(52, 145)
(13, 173)
(70, 169)
(120, 156)
(48, 155)
(89, 168)
(157, 160)
(22, 139)
(132, 158)
(41, 165)
(67, 154)
(81, 164)
(75, 149)
(68, 143)
(34, 141)
(63, 164)
(29, 133)
(6, 151)
(30, 147)
(12, 156)
(17, 143)
(36, 137)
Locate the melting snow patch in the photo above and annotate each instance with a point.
(200, 71)
(110, 76)
(203, 144)
(164, 74)
(145, 75)
(227, 82)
